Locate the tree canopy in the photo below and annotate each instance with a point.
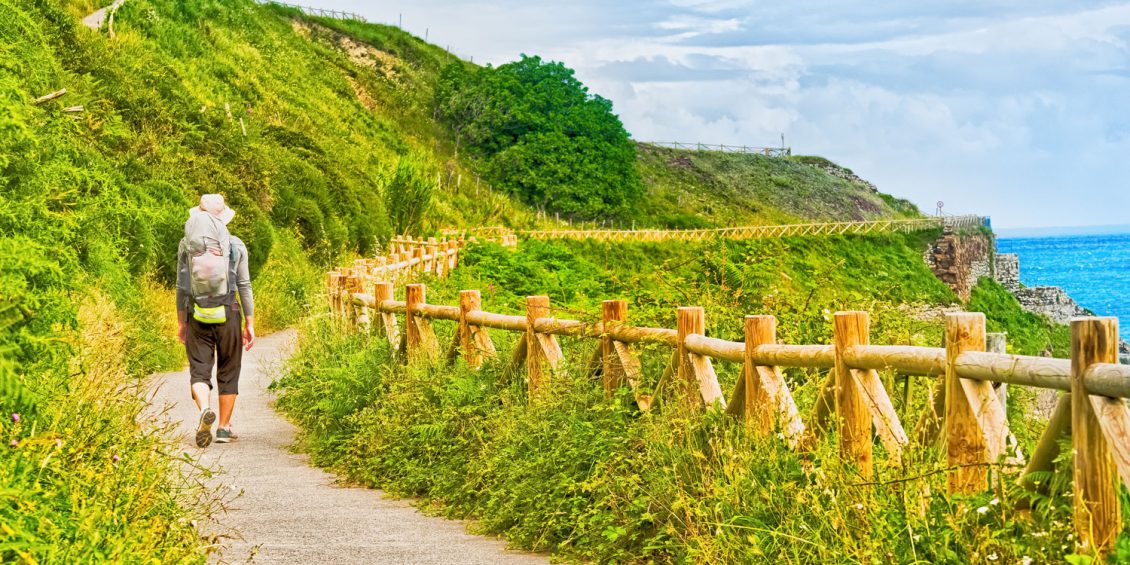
(538, 132)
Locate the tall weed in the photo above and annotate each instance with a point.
(591, 478)
(80, 482)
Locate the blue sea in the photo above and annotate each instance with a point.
(1093, 268)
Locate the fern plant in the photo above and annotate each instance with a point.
(15, 396)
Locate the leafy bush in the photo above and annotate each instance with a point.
(1028, 334)
(408, 196)
(79, 482)
(542, 135)
(590, 478)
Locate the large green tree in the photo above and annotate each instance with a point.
(539, 133)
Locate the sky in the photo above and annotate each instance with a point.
(1018, 110)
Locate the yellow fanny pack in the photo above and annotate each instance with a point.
(216, 315)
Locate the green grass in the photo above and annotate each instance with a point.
(796, 279)
(687, 189)
(80, 482)
(1028, 333)
(91, 208)
(591, 479)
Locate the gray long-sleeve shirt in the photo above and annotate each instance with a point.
(239, 279)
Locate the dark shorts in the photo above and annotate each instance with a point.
(215, 344)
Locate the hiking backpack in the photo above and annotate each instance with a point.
(207, 244)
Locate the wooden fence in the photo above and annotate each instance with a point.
(407, 242)
(402, 264)
(965, 411)
(321, 12)
(767, 151)
(755, 232)
(509, 237)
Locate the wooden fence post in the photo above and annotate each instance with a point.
(689, 320)
(435, 264)
(358, 317)
(387, 320)
(418, 256)
(343, 303)
(1097, 513)
(695, 372)
(421, 341)
(396, 272)
(974, 422)
(851, 329)
(754, 402)
(761, 394)
(542, 351)
(474, 341)
(612, 375)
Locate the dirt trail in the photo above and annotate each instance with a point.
(98, 17)
(290, 512)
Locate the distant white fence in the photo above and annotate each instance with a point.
(768, 151)
(320, 12)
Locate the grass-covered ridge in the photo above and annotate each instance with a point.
(711, 188)
(91, 208)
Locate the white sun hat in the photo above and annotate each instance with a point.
(214, 204)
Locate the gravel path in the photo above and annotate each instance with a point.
(98, 17)
(290, 512)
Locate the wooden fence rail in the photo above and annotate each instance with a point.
(508, 237)
(760, 232)
(967, 413)
(401, 264)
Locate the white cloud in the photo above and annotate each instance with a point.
(690, 26)
(1016, 110)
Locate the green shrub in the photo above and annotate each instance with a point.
(1028, 334)
(408, 196)
(592, 479)
(79, 482)
(542, 135)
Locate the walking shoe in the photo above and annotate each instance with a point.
(204, 428)
(225, 435)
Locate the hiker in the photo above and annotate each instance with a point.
(211, 271)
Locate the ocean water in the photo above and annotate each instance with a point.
(1093, 269)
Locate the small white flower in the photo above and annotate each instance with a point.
(994, 502)
(992, 557)
(858, 506)
(1026, 560)
(982, 509)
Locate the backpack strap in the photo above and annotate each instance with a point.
(233, 253)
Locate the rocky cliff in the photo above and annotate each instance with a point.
(961, 260)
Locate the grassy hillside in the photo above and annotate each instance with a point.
(711, 188)
(321, 134)
(91, 209)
